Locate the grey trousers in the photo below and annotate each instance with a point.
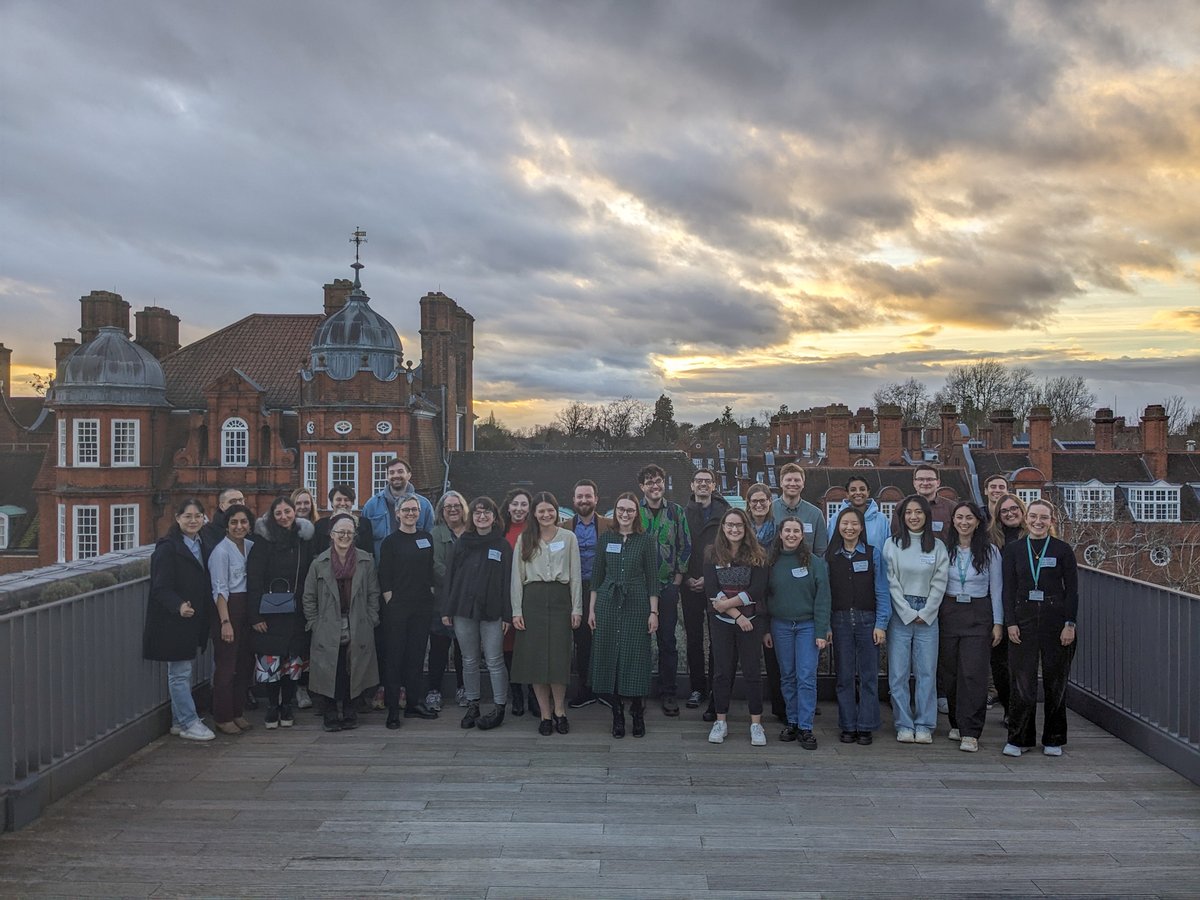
(472, 636)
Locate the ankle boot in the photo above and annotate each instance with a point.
(494, 719)
(618, 711)
(637, 710)
(517, 693)
(472, 716)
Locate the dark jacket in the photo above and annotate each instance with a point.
(175, 577)
(478, 572)
(213, 532)
(1059, 583)
(703, 533)
(278, 564)
(364, 538)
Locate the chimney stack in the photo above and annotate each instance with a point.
(100, 308)
(952, 437)
(63, 349)
(5, 371)
(1103, 429)
(1154, 440)
(890, 447)
(1002, 423)
(1041, 450)
(837, 438)
(336, 294)
(157, 330)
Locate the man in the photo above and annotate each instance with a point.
(994, 488)
(380, 510)
(858, 495)
(666, 523)
(789, 503)
(703, 513)
(926, 482)
(213, 531)
(341, 500)
(587, 527)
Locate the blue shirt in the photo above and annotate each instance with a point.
(193, 544)
(585, 535)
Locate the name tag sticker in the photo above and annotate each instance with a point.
(799, 572)
(1037, 596)
(423, 543)
(495, 555)
(614, 548)
(557, 545)
(1049, 562)
(937, 526)
(861, 565)
(808, 528)
(962, 598)
(928, 558)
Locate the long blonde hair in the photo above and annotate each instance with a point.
(996, 527)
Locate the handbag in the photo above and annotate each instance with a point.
(274, 602)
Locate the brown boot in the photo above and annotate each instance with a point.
(228, 728)
(243, 723)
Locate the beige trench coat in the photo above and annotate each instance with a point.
(322, 615)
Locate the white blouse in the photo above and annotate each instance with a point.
(227, 568)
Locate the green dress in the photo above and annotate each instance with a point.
(624, 574)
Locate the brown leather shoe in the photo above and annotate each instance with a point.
(228, 728)
(243, 723)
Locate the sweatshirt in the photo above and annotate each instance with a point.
(797, 593)
(914, 573)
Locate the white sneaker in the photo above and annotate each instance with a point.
(197, 731)
(758, 737)
(433, 700)
(955, 734)
(303, 700)
(969, 745)
(906, 736)
(1013, 750)
(1051, 750)
(924, 737)
(943, 706)
(176, 728)
(716, 734)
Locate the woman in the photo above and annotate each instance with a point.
(798, 606)
(450, 517)
(515, 511)
(1006, 526)
(177, 613)
(735, 582)
(623, 614)
(306, 508)
(1041, 599)
(275, 573)
(547, 603)
(406, 585)
(917, 569)
(233, 648)
(341, 500)
(969, 623)
(861, 610)
(341, 610)
(758, 504)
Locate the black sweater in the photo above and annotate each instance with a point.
(478, 572)
(1059, 582)
(406, 567)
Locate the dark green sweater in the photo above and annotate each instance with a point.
(800, 598)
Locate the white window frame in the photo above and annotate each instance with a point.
(1158, 502)
(62, 532)
(1028, 495)
(79, 531)
(62, 442)
(3, 531)
(1090, 502)
(134, 457)
(831, 508)
(864, 463)
(81, 459)
(888, 509)
(379, 467)
(334, 460)
(123, 529)
(311, 473)
(231, 429)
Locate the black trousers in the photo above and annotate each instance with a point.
(1000, 673)
(730, 645)
(1041, 644)
(581, 637)
(405, 631)
(439, 659)
(964, 658)
(695, 612)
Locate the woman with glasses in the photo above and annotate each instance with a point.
(1007, 525)
(474, 601)
(758, 504)
(450, 521)
(735, 581)
(341, 500)
(918, 569)
(406, 586)
(623, 614)
(1041, 600)
(514, 512)
(341, 610)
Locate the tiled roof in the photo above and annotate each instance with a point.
(270, 349)
(1001, 462)
(494, 473)
(1109, 468)
(818, 480)
(17, 477)
(1183, 468)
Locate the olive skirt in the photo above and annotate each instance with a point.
(542, 653)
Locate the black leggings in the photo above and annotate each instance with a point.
(281, 692)
(730, 645)
(439, 660)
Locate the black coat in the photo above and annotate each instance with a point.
(278, 566)
(175, 577)
(478, 575)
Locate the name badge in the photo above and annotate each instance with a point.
(495, 555)
(799, 572)
(962, 598)
(1049, 562)
(928, 558)
(557, 545)
(861, 565)
(614, 548)
(808, 528)
(423, 543)
(937, 526)
(1037, 596)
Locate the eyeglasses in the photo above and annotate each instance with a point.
(626, 511)
(451, 506)
(735, 526)
(757, 500)
(653, 482)
(1010, 509)
(410, 512)
(482, 512)
(703, 482)
(341, 532)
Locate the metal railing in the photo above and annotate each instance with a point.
(864, 440)
(1137, 669)
(72, 679)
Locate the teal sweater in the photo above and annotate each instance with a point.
(800, 594)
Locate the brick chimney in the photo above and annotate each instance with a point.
(336, 294)
(890, 447)
(837, 437)
(1103, 428)
(1002, 423)
(952, 437)
(157, 330)
(1154, 440)
(5, 371)
(911, 436)
(1041, 444)
(63, 349)
(100, 308)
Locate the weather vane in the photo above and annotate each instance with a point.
(358, 239)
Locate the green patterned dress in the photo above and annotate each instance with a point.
(624, 575)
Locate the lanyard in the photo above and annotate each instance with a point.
(962, 569)
(1036, 571)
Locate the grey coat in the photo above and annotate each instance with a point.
(323, 618)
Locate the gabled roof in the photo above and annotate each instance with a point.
(1110, 468)
(268, 348)
(17, 476)
(998, 462)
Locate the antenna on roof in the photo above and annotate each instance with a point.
(357, 239)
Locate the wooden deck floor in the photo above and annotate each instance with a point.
(432, 810)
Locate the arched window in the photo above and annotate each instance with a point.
(235, 442)
(863, 463)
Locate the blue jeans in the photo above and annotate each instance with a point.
(482, 638)
(179, 684)
(855, 654)
(668, 653)
(913, 649)
(796, 650)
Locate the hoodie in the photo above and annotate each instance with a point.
(879, 529)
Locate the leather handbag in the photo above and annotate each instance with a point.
(276, 602)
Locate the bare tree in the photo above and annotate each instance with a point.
(978, 388)
(619, 420)
(576, 419)
(912, 396)
(1069, 399)
(1180, 417)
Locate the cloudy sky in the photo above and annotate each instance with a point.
(736, 203)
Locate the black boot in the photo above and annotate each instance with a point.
(535, 708)
(618, 711)
(517, 692)
(494, 719)
(638, 709)
(333, 722)
(472, 716)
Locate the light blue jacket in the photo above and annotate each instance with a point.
(381, 511)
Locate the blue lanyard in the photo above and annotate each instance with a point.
(962, 569)
(1036, 571)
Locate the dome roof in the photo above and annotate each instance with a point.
(111, 369)
(357, 339)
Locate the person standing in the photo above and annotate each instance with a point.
(623, 613)
(1006, 527)
(380, 510)
(926, 484)
(969, 623)
(302, 502)
(995, 487)
(341, 610)
(587, 526)
(1041, 600)
(341, 500)
(451, 522)
(703, 514)
(918, 569)
(514, 512)
(858, 495)
(666, 523)
(790, 503)
(758, 504)
(233, 648)
(213, 531)
(177, 611)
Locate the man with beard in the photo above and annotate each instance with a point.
(587, 527)
(704, 513)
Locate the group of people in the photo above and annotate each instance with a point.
(352, 605)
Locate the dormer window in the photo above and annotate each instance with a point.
(235, 442)
(1158, 502)
(1090, 502)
